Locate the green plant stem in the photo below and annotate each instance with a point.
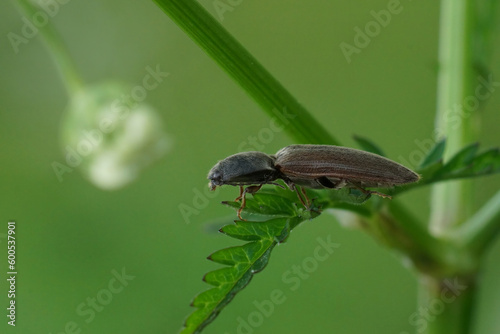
(198, 24)
(446, 304)
(482, 228)
(424, 249)
(451, 201)
(398, 229)
(56, 48)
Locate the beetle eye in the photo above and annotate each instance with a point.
(216, 176)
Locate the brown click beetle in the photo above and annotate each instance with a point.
(309, 166)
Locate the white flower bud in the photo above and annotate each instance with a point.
(113, 136)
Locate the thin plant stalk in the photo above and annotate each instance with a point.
(451, 201)
(246, 71)
(57, 50)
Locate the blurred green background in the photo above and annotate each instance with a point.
(71, 235)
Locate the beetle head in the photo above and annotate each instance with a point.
(243, 169)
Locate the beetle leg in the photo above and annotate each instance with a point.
(243, 204)
(277, 184)
(380, 194)
(241, 195)
(371, 192)
(294, 187)
(300, 197)
(305, 196)
(250, 190)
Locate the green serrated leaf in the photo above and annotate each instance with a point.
(486, 163)
(219, 276)
(428, 172)
(466, 163)
(368, 145)
(250, 231)
(237, 255)
(334, 197)
(244, 262)
(460, 161)
(434, 156)
(281, 211)
(274, 204)
(270, 202)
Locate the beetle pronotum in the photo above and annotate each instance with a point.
(309, 166)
